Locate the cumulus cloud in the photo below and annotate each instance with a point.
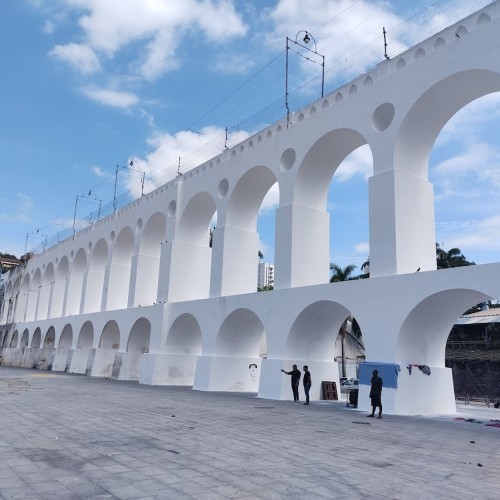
(194, 148)
(152, 31)
(81, 57)
(113, 98)
(359, 162)
(362, 248)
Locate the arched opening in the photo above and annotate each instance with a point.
(464, 168)
(37, 339)
(32, 297)
(314, 332)
(119, 274)
(43, 302)
(331, 202)
(22, 301)
(462, 183)
(148, 261)
(15, 339)
(237, 365)
(138, 340)
(25, 338)
(56, 309)
(184, 336)
(66, 339)
(7, 304)
(240, 335)
(95, 277)
(50, 338)
(86, 336)
(110, 337)
(5, 340)
(191, 251)
(245, 244)
(75, 287)
(421, 351)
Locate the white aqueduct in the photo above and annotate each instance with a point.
(140, 295)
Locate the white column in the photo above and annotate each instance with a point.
(234, 261)
(302, 246)
(402, 232)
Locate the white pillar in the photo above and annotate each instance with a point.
(234, 261)
(302, 246)
(402, 233)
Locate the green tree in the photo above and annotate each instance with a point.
(451, 258)
(341, 274)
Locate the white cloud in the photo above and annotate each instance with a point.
(81, 57)
(359, 162)
(112, 98)
(99, 171)
(153, 29)
(363, 248)
(194, 148)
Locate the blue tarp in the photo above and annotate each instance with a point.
(388, 372)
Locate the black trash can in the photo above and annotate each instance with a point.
(352, 397)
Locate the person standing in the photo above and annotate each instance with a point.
(295, 373)
(376, 394)
(307, 383)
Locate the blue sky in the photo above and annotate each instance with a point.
(91, 84)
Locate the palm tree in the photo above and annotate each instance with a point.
(340, 274)
(451, 258)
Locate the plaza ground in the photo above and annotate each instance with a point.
(68, 436)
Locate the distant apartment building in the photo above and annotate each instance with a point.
(265, 275)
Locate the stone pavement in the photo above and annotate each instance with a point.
(68, 436)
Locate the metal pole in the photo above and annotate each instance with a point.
(286, 84)
(114, 193)
(323, 77)
(74, 216)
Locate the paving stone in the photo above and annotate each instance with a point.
(53, 441)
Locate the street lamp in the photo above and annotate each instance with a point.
(306, 39)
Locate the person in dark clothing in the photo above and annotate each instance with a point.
(307, 383)
(295, 373)
(376, 394)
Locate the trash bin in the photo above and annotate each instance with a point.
(352, 397)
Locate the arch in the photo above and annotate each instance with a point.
(56, 309)
(190, 268)
(22, 301)
(95, 277)
(5, 340)
(401, 63)
(434, 108)
(15, 339)
(75, 286)
(423, 334)
(240, 335)
(314, 174)
(43, 302)
(195, 219)
(50, 338)
(36, 339)
(110, 336)
(25, 338)
(184, 336)
(246, 197)
(119, 274)
(439, 42)
(86, 336)
(66, 339)
(483, 19)
(314, 331)
(32, 296)
(138, 340)
(148, 261)
(419, 53)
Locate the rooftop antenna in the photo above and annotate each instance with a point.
(225, 142)
(385, 43)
